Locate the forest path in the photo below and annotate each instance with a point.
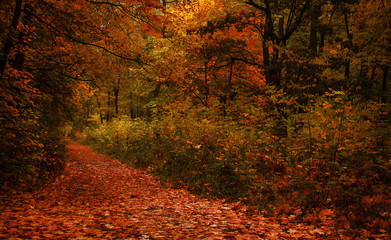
(100, 198)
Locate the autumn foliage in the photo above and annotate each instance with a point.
(280, 105)
(49, 50)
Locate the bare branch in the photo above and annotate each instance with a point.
(257, 6)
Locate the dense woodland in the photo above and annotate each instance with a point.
(282, 105)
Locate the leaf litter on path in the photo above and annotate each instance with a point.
(100, 198)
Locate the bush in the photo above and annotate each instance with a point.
(334, 156)
(30, 154)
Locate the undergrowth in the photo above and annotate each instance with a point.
(331, 167)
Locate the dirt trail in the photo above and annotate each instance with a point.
(101, 198)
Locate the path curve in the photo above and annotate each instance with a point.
(100, 198)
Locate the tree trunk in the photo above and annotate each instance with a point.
(349, 46)
(20, 56)
(228, 91)
(100, 111)
(322, 37)
(267, 39)
(266, 63)
(156, 91)
(347, 69)
(384, 85)
(116, 92)
(206, 85)
(9, 41)
(108, 106)
(313, 46)
(131, 107)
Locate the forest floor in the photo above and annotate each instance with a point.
(100, 198)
